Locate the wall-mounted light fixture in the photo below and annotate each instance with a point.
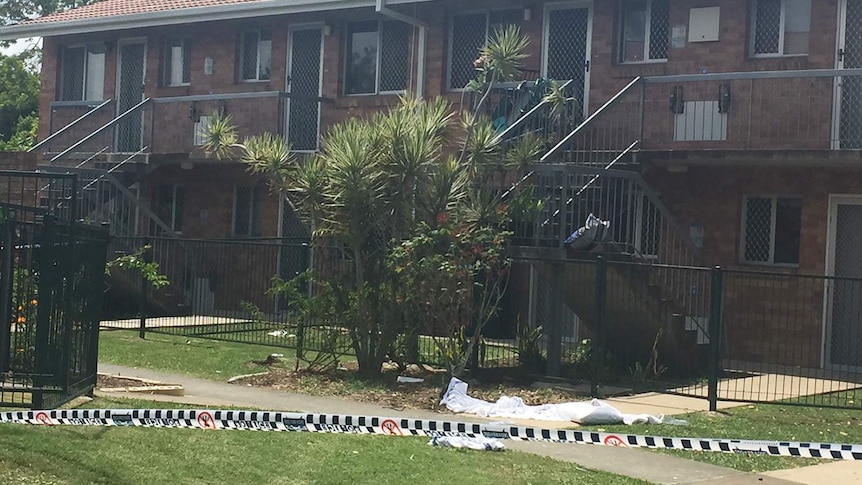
(723, 98)
(194, 113)
(677, 103)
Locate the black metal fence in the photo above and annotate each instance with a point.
(724, 335)
(615, 324)
(51, 282)
(220, 290)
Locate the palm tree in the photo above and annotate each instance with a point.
(376, 180)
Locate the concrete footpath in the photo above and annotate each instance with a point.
(643, 464)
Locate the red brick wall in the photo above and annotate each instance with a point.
(607, 76)
(209, 186)
(767, 317)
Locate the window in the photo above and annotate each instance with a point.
(780, 27)
(771, 229)
(255, 59)
(469, 34)
(247, 211)
(82, 75)
(377, 57)
(178, 67)
(644, 32)
(169, 206)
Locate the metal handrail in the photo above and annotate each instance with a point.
(529, 115)
(63, 129)
(587, 122)
(639, 181)
(103, 128)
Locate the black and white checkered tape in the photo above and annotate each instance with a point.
(338, 423)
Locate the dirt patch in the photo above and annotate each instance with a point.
(103, 382)
(387, 392)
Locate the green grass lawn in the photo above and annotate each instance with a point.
(774, 422)
(221, 360)
(204, 358)
(120, 456)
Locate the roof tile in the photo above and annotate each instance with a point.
(110, 8)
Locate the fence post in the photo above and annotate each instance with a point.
(596, 346)
(7, 229)
(716, 295)
(555, 351)
(48, 282)
(142, 326)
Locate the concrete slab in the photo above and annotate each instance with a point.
(643, 464)
(843, 472)
(667, 404)
(745, 479)
(772, 387)
(187, 321)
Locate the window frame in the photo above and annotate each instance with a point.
(451, 36)
(647, 36)
(347, 48)
(774, 198)
(250, 229)
(241, 57)
(167, 58)
(82, 96)
(752, 28)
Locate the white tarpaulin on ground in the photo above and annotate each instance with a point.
(583, 412)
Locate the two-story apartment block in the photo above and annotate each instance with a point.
(741, 118)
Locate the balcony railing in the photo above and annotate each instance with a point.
(175, 125)
(768, 110)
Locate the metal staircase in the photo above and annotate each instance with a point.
(594, 170)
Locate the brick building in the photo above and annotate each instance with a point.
(743, 117)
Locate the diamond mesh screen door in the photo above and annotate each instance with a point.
(130, 92)
(567, 40)
(303, 110)
(846, 315)
(850, 57)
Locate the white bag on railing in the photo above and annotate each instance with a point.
(594, 231)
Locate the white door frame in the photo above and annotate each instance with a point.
(290, 31)
(551, 7)
(120, 43)
(831, 232)
(840, 34)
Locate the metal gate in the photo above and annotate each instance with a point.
(51, 283)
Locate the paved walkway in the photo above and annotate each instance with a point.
(644, 464)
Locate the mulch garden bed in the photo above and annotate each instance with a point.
(387, 392)
(107, 382)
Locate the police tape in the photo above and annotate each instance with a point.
(338, 423)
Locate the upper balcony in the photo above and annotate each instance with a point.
(174, 126)
(801, 116)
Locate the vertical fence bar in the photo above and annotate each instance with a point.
(715, 311)
(142, 326)
(7, 229)
(555, 351)
(597, 352)
(48, 281)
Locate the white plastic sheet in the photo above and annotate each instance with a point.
(476, 443)
(583, 412)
